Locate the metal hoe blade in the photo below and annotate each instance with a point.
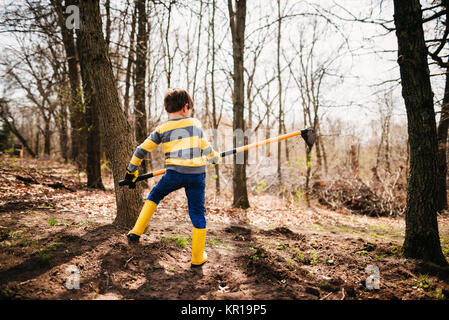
(309, 136)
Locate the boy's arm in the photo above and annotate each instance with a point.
(207, 150)
(141, 151)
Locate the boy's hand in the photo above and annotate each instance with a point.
(215, 160)
(132, 177)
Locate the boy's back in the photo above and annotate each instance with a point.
(186, 152)
(184, 145)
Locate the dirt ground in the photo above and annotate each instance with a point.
(50, 225)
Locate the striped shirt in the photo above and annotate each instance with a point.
(184, 144)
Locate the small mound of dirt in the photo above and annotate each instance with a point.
(241, 233)
(284, 231)
(237, 229)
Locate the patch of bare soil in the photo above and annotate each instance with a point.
(275, 250)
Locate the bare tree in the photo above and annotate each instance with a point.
(279, 79)
(114, 127)
(421, 235)
(216, 116)
(130, 61)
(33, 77)
(237, 23)
(385, 113)
(9, 121)
(93, 145)
(140, 112)
(77, 121)
(168, 54)
(309, 73)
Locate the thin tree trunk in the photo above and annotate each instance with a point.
(93, 146)
(280, 117)
(318, 154)
(197, 60)
(130, 62)
(421, 234)
(63, 136)
(323, 152)
(93, 167)
(107, 7)
(22, 140)
(214, 100)
(78, 132)
(237, 23)
(267, 134)
(287, 154)
(61, 122)
(379, 149)
(141, 65)
(206, 87)
(387, 148)
(442, 133)
(169, 61)
(114, 128)
(47, 138)
(308, 174)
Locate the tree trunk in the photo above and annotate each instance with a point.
(198, 46)
(107, 7)
(280, 116)
(237, 22)
(47, 138)
(63, 136)
(286, 142)
(130, 63)
(421, 235)
(323, 153)
(168, 63)
(214, 100)
(308, 174)
(141, 67)
(267, 134)
(354, 159)
(22, 140)
(77, 122)
(114, 128)
(319, 159)
(442, 132)
(93, 167)
(93, 146)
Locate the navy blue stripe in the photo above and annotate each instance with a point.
(155, 137)
(184, 154)
(228, 153)
(180, 133)
(140, 153)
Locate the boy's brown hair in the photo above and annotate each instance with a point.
(175, 99)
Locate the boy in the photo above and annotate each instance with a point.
(186, 154)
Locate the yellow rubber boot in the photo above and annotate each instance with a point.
(144, 217)
(199, 257)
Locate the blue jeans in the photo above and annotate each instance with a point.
(194, 185)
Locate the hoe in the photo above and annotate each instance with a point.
(307, 134)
